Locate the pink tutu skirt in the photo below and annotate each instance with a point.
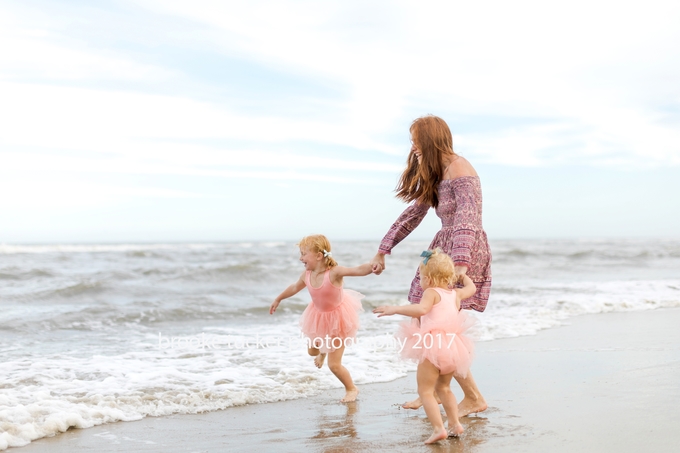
(342, 322)
(444, 344)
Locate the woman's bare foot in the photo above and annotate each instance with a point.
(456, 431)
(417, 403)
(318, 360)
(437, 435)
(350, 396)
(468, 406)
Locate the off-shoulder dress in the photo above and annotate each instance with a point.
(462, 236)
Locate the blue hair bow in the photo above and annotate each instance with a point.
(426, 254)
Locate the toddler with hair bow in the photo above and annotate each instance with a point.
(331, 318)
(436, 338)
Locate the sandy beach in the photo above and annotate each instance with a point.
(606, 382)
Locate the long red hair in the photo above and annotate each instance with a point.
(420, 182)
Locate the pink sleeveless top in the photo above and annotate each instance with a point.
(443, 311)
(328, 296)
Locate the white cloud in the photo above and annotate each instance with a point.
(106, 108)
(183, 160)
(38, 53)
(568, 62)
(106, 121)
(592, 75)
(53, 194)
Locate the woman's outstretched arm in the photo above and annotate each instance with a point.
(402, 227)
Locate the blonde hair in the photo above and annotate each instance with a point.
(318, 243)
(439, 268)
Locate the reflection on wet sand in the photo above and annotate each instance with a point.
(337, 421)
(474, 435)
(341, 428)
(338, 431)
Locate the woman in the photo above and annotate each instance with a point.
(437, 177)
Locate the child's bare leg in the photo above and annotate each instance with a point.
(335, 365)
(319, 359)
(427, 376)
(448, 399)
(318, 356)
(473, 401)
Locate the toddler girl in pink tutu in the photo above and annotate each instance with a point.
(332, 316)
(437, 340)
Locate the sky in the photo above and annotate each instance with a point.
(148, 121)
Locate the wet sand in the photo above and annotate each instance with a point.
(603, 383)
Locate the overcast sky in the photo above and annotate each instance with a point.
(248, 120)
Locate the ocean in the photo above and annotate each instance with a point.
(92, 334)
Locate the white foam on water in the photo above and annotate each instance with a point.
(121, 370)
(541, 306)
(233, 365)
(167, 375)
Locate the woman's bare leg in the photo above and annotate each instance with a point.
(417, 403)
(472, 401)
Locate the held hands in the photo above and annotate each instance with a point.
(378, 263)
(460, 275)
(385, 310)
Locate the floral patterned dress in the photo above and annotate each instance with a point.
(461, 237)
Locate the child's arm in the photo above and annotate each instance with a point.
(288, 292)
(356, 271)
(338, 272)
(468, 290)
(430, 297)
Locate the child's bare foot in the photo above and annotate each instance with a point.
(437, 435)
(350, 396)
(318, 360)
(467, 406)
(456, 431)
(417, 403)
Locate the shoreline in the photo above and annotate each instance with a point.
(603, 382)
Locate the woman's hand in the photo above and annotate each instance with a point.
(385, 310)
(378, 263)
(460, 274)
